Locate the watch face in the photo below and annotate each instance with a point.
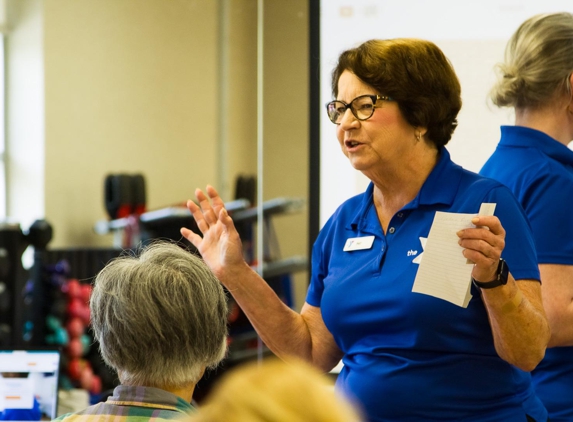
(503, 271)
(502, 275)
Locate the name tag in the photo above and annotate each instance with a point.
(358, 243)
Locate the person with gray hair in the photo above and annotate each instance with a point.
(160, 319)
(534, 161)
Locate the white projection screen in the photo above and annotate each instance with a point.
(472, 34)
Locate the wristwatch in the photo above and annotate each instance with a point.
(500, 280)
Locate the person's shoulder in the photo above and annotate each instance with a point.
(131, 416)
(531, 177)
(84, 415)
(477, 187)
(520, 163)
(68, 417)
(479, 181)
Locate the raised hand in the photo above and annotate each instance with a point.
(220, 246)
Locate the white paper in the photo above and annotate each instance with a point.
(444, 272)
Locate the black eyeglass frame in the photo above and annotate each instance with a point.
(374, 98)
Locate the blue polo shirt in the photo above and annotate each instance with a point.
(410, 356)
(539, 171)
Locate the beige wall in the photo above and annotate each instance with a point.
(238, 90)
(286, 127)
(167, 89)
(131, 87)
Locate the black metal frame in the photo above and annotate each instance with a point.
(314, 124)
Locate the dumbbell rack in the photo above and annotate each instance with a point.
(21, 320)
(47, 305)
(14, 300)
(66, 276)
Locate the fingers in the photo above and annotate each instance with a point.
(216, 200)
(491, 222)
(209, 209)
(488, 235)
(194, 238)
(211, 204)
(198, 216)
(484, 257)
(228, 226)
(209, 215)
(484, 243)
(226, 219)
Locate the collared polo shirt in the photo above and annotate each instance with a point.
(410, 356)
(539, 171)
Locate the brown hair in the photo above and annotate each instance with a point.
(416, 74)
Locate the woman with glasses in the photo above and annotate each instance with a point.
(407, 356)
(533, 160)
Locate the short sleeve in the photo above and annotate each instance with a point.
(519, 251)
(547, 207)
(316, 287)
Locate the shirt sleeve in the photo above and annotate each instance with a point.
(519, 252)
(316, 287)
(546, 205)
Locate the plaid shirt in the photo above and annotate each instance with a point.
(131, 404)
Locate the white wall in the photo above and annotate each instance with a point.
(25, 111)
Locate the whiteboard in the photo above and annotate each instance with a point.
(471, 34)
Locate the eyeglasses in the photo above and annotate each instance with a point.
(361, 107)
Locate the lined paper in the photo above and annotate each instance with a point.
(444, 272)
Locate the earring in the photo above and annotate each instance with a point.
(417, 136)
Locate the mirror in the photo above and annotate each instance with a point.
(166, 90)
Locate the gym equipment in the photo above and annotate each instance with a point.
(39, 234)
(21, 320)
(67, 274)
(75, 348)
(75, 327)
(124, 195)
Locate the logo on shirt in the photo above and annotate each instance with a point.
(418, 258)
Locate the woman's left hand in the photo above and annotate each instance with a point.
(483, 246)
